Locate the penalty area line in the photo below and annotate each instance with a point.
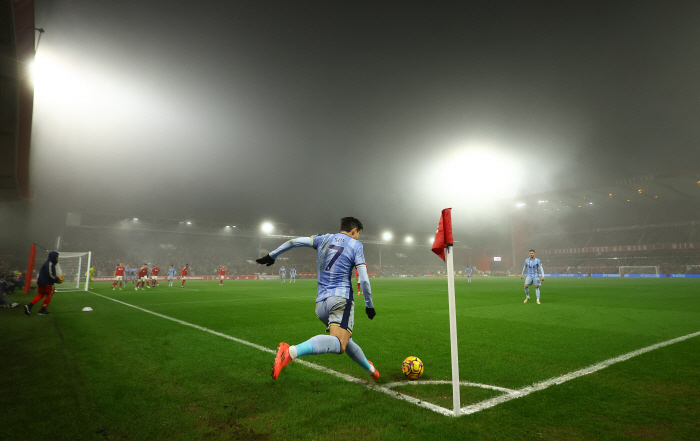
(346, 377)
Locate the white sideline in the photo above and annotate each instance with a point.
(509, 394)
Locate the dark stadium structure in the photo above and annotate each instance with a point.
(16, 97)
(647, 221)
(650, 220)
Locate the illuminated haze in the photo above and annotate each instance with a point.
(306, 112)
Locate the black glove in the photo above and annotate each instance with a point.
(370, 313)
(266, 260)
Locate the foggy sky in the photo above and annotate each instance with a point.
(305, 112)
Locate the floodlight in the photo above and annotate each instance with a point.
(267, 227)
(431, 240)
(520, 204)
(136, 218)
(228, 226)
(189, 223)
(387, 235)
(409, 239)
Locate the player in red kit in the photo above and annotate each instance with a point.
(359, 287)
(183, 274)
(142, 277)
(118, 276)
(222, 275)
(154, 275)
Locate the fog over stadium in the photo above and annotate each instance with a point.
(304, 112)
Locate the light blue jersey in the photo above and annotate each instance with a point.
(171, 273)
(469, 271)
(293, 272)
(282, 271)
(532, 267)
(337, 256)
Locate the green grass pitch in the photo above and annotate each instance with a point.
(120, 373)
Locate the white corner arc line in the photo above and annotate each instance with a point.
(509, 394)
(461, 383)
(367, 384)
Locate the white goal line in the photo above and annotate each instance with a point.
(509, 394)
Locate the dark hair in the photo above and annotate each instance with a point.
(532, 251)
(348, 223)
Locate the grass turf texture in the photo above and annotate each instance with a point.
(119, 373)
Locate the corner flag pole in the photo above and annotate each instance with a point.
(442, 246)
(453, 329)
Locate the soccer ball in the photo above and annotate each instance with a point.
(412, 367)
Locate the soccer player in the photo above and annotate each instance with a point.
(90, 273)
(222, 275)
(118, 276)
(337, 255)
(142, 277)
(533, 266)
(469, 274)
(171, 275)
(283, 273)
(293, 275)
(49, 274)
(154, 275)
(183, 274)
(359, 286)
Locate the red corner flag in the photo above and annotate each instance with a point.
(443, 237)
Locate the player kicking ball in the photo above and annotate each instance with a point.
(338, 254)
(533, 266)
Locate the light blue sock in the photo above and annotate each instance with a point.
(320, 344)
(355, 353)
(537, 291)
(527, 291)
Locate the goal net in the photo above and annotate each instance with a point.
(75, 269)
(639, 271)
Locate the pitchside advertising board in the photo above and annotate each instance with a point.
(690, 276)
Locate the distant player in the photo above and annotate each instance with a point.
(171, 275)
(154, 275)
(222, 275)
(183, 274)
(533, 266)
(119, 276)
(90, 273)
(142, 277)
(283, 273)
(337, 255)
(469, 274)
(132, 274)
(49, 274)
(359, 286)
(293, 275)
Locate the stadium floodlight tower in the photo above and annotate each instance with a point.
(409, 239)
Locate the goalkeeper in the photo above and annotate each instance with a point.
(48, 275)
(338, 254)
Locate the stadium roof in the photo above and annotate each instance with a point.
(679, 186)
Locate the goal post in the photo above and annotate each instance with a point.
(75, 269)
(639, 271)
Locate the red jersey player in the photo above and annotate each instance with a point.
(154, 275)
(183, 274)
(222, 275)
(143, 276)
(118, 276)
